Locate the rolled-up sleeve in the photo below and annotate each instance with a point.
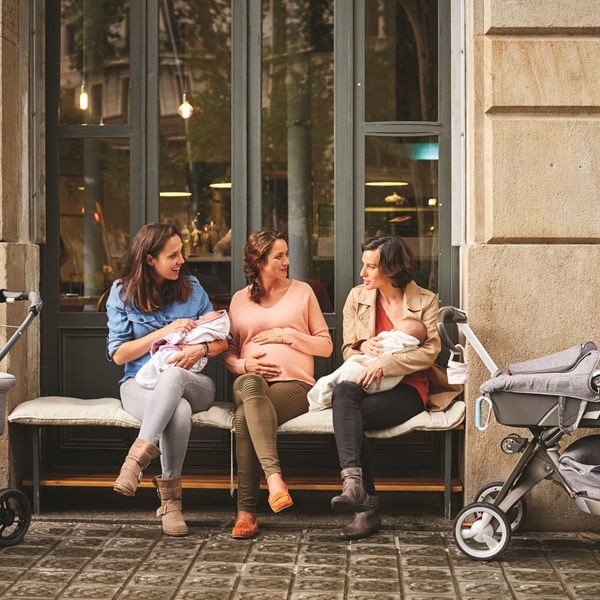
(120, 328)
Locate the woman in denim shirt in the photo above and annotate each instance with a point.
(155, 297)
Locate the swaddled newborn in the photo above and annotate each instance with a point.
(214, 325)
(411, 336)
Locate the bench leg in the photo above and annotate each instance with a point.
(37, 434)
(448, 473)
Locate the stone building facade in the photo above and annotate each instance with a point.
(531, 235)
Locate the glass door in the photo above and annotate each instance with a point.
(195, 135)
(402, 126)
(94, 149)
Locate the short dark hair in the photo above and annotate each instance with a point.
(396, 259)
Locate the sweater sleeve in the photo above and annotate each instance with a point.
(316, 341)
(232, 356)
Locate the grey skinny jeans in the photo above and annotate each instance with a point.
(166, 412)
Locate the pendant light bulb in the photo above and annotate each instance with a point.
(185, 110)
(83, 98)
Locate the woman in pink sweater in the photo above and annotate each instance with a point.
(277, 329)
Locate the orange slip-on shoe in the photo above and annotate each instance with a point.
(280, 501)
(242, 530)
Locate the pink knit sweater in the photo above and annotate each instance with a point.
(305, 332)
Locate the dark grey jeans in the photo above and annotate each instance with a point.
(355, 411)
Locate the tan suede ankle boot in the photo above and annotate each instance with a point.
(138, 458)
(169, 492)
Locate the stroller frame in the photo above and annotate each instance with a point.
(483, 528)
(15, 509)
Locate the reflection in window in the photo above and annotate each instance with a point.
(94, 62)
(401, 196)
(195, 152)
(401, 57)
(297, 136)
(94, 218)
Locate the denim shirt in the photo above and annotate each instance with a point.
(127, 323)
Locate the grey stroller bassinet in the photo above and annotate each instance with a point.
(551, 396)
(547, 391)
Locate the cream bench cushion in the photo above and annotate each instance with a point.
(63, 410)
(321, 421)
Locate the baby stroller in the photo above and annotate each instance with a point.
(551, 396)
(15, 510)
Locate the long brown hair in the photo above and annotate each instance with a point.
(396, 260)
(139, 285)
(256, 250)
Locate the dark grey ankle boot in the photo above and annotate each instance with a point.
(364, 523)
(353, 496)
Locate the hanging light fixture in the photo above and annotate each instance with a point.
(185, 110)
(83, 97)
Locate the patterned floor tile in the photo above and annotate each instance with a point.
(374, 586)
(315, 595)
(191, 593)
(98, 592)
(316, 584)
(129, 560)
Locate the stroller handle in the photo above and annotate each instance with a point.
(33, 297)
(34, 310)
(449, 314)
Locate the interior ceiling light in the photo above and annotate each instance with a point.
(175, 194)
(220, 185)
(386, 183)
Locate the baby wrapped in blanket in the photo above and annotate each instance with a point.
(411, 336)
(214, 325)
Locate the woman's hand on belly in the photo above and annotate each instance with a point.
(269, 336)
(259, 365)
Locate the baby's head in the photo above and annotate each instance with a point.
(210, 315)
(415, 328)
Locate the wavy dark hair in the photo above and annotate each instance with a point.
(256, 250)
(396, 259)
(139, 285)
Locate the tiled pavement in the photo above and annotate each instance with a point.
(297, 555)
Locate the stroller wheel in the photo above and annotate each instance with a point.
(516, 514)
(481, 531)
(15, 516)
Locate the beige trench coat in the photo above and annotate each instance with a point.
(419, 303)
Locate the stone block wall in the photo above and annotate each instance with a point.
(19, 258)
(533, 226)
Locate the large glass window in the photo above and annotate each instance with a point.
(94, 218)
(93, 165)
(401, 196)
(401, 60)
(401, 95)
(297, 136)
(94, 63)
(195, 135)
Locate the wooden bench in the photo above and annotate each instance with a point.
(49, 411)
